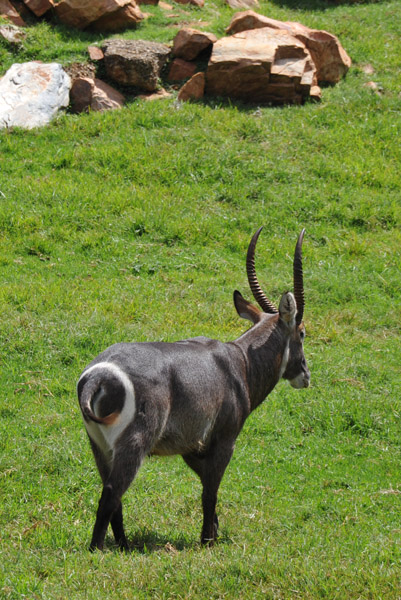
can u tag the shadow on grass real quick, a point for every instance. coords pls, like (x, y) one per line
(148, 542)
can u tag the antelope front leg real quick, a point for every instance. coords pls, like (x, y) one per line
(210, 520)
(117, 526)
(214, 467)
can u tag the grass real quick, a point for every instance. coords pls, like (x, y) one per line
(133, 225)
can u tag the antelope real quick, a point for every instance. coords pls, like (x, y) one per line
(189, 397)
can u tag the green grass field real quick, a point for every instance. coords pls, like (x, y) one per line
(133, 225)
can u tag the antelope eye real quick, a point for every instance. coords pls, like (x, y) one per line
(302, 334)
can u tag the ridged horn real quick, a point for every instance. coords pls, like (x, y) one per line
(298, 278)
(256, 290)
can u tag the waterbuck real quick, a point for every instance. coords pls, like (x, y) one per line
(189, 397)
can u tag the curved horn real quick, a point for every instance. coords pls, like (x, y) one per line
(256, 290)
(298, 278)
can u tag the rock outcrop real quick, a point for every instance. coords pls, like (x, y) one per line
(261, 61)
(262, 66)
(331, 60)
(32, 93)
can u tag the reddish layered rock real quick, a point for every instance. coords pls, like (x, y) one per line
(7, 11)
(331, 60)
(105, 97)
(39, 7)
(93, 94)
(180, 70)
(193, 89)
(81, 94)
(126, 17)
(189, 43)
(95, 53)
(81, 13)
(261, 66)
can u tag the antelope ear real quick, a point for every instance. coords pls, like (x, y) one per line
(245, 309)
(288, 308)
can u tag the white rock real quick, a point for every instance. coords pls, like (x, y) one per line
(32, 93)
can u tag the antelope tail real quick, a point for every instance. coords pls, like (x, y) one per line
(86, 394)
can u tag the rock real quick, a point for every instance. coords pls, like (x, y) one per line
(87, 93)
(95, 53)
(81, 94)
(315, 93)
(193, 89)
(242, 3)
(249, 19)
(372, 85)
(199, 3)
(81, 13)
(126, 17)
(135, 62)
(12, 33)
(189, 43)
(180, 70)
(260, 66)
(105, 97)
(331, 60)
(159, 95)
(39, 7)
(32, 93)
(7, 11)
(368, 69)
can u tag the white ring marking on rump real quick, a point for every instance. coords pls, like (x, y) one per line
(103, 435)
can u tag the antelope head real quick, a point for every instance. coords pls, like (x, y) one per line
(288, 317)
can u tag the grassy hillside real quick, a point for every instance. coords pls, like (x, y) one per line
(134, 225)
